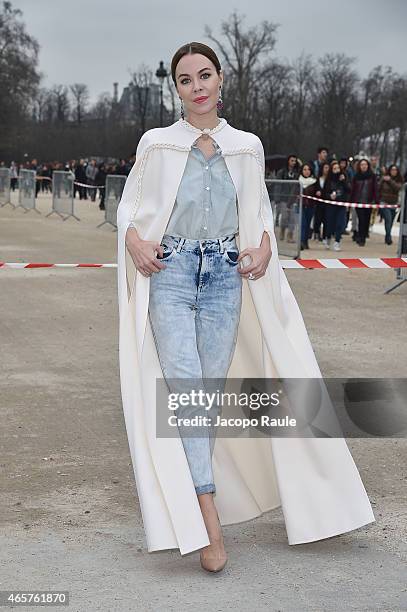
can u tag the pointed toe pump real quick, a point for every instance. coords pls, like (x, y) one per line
(212, 561)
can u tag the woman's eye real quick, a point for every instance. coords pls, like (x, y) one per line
(208, 74)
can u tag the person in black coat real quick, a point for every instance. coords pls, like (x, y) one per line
(337, 189)
(365, 191)
(100, 181)
(320, 207)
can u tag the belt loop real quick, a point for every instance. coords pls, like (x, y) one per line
(180, 243)
(221, 245)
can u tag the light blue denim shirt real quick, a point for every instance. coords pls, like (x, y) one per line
(206, 202)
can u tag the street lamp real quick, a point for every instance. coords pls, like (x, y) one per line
(161, 73)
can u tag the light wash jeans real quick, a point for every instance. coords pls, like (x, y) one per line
(194, 311)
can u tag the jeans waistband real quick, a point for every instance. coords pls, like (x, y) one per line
(190, 244)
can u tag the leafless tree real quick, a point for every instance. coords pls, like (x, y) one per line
(80, 94)
(141, 89)
(61, 102)
(242, 50)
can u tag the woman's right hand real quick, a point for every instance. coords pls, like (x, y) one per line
(143, 253)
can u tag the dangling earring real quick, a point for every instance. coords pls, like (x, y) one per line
(219, 104)
(182, 109)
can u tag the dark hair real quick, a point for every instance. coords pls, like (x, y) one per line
(331, 173)
(191, 48)
(398, 177)
(360, 161)
(320, 173)
(307, 165)
(320, 149)
(344, 159)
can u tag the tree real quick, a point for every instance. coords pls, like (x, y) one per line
(80, 94)
(242, 52)
(336, 100)
(61, 102)
(141, 94)
(19, 77)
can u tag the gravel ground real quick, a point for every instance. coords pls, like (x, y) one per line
(70, 518)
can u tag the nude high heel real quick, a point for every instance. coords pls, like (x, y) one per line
(212, 560)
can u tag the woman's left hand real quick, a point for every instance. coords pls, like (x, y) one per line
(260, 257)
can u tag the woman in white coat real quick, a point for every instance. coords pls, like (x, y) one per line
(194, 205)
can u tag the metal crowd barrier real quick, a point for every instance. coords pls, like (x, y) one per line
(5, 180)
(62, 194)
(26, 190)
(286, 202)
(113, 192)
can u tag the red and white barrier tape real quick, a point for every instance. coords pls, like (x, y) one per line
(383, 263)
(89, 186)
(351, 204)
(47, 178)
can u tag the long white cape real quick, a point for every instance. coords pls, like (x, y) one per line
(315, 480)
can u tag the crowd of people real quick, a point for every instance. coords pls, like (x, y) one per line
(90, 176)
(356, 180)
(345, 180)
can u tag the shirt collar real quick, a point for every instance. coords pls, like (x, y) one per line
(198, 152)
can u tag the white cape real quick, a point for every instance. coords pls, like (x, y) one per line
(314, 480)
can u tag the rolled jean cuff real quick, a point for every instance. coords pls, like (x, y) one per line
(209, 488)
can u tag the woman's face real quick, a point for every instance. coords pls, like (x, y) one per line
(393, 171)
(336, 168)
(306, 171)
(325, 169)
(363, 166)
(196, 78)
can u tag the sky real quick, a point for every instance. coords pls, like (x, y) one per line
(99, 42)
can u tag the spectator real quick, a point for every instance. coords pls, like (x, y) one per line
(100, 181)
(80, 177)
(123, 168)
(337, 188)
(389, 189)
(378, 171)
(319, 214)
(347, 169)
(290, 172)
(322, 158)
(13, 175)
(375, 167)
(308, 183)
(364, 191)
(91, 172)
(45, 173)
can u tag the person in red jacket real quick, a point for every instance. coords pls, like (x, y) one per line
(364, 190)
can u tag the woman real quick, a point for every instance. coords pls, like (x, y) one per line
(288, 197)
(364, 191)
(100, 181)
(320, 207)
(308, 182)
(337, 189)
(389, 189)
(187, 308)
